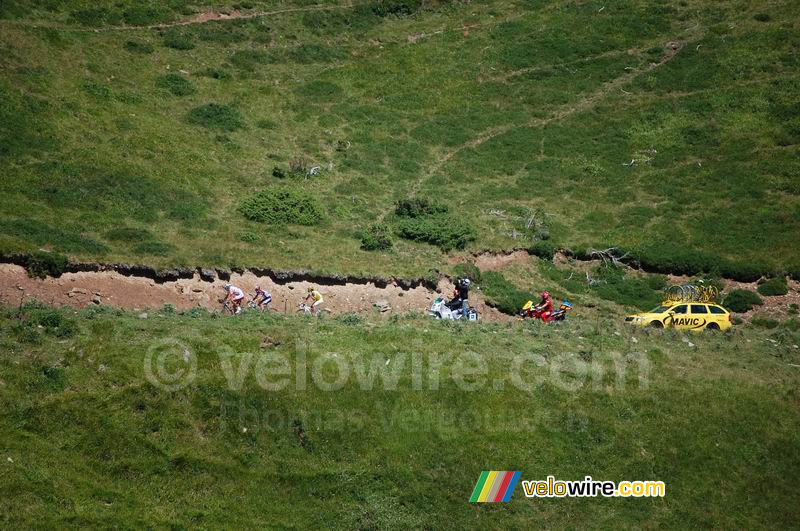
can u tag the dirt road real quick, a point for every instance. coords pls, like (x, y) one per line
(138, 293)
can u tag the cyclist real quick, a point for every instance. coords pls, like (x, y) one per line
(262, 298)
(545, 307)
(235, 295)
(316, 296)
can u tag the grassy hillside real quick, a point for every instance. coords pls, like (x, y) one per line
(87, 440)
(137, 144)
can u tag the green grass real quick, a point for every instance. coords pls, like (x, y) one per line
(512, 115)
(88, 441)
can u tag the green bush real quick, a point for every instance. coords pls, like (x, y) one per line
(764, 322)
(279, 206)
(446, 231)
(544, 249)
(502, 294)
(469, 271)
(41, 264)
(637, 291)
(153, 248)
(349, 319)
(216, 116)
(417, 208)
(95, 16)
(320, 91)
(741, 300)
(51, 319)
(178, 41)
(677, 259)
(176, 84)
(248, 237)
(128, 234)
(399, 8)
(248, 60)
(377, 237)
(773, 287)
(139, 47)
(143, 15)
(68, 240)
(216, 73)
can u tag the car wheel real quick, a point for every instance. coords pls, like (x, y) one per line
(656, 324)
(712, 326)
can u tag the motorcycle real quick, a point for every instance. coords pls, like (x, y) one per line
(439, 310)
(534, 311)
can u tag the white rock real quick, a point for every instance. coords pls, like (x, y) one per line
(143, 315)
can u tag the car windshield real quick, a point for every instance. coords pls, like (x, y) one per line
(659, 309)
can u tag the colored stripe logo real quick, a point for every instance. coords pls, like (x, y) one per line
(493, 486)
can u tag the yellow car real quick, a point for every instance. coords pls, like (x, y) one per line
(685, 316)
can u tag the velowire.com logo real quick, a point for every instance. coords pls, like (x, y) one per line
(494, 486)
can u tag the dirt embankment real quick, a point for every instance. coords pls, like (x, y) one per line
(111, 288)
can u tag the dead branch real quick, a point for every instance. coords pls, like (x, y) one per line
(610, 255)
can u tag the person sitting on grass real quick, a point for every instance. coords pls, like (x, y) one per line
(235, 296)
(315, 296)
(262, 298)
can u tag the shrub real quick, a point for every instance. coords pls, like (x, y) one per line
(446, 231)
(42, 264)
(98, 90)
(153, 248)
(741, 300)
(764, 322)
(320, 91)
(673, 258)
(145, 15)
(502, 294)
(216, 116)
(278, 172)
(762, 17)
(248, 60)
(95, 16)
(377, 237)
(298, 166)
(543, 249)
(128, 234)
(639, 292)
(278, 206)
(742, 272)
(415, 208)
(349, 319)
(248, 237)
(176, 84)
(399, 8)
(139, 47)
(216, 73)
(773, 287)
(178, 41)
(469, 271)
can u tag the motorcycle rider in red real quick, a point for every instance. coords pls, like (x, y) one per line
(545, 307)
